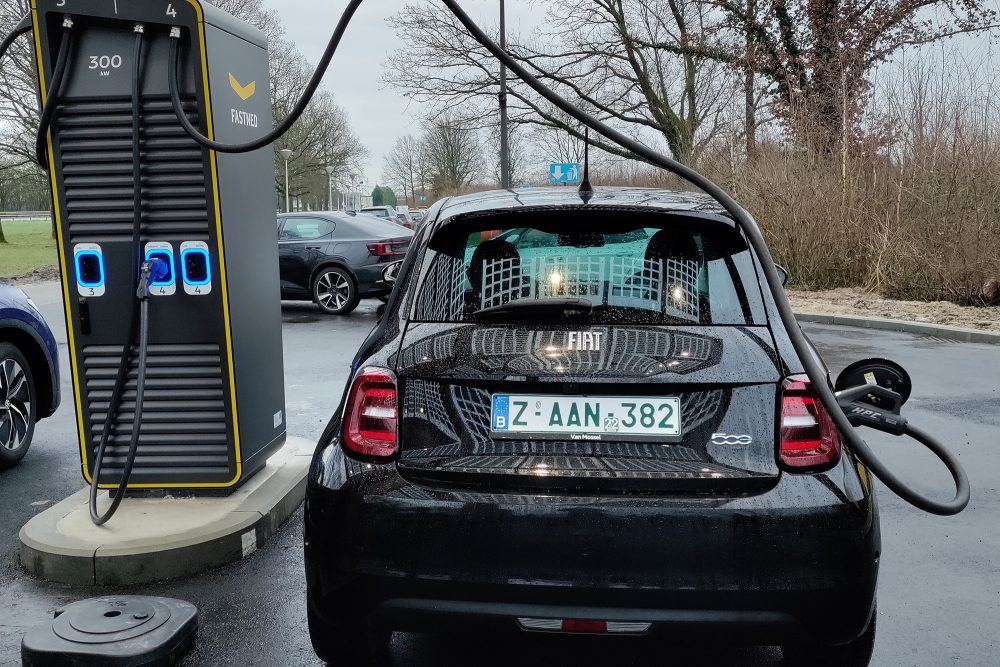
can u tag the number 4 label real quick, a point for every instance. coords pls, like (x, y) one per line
(171, 11)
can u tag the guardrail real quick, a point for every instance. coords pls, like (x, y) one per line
(25, 215)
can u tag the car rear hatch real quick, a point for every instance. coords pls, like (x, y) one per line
(666, 379)
(513, 407)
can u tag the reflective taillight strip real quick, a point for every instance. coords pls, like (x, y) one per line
(560, 625)
(805, 421)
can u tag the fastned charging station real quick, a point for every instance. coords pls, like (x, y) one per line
(212, 409)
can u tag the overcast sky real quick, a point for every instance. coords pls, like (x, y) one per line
(377, 114)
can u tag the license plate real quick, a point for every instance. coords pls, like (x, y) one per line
(586, 417)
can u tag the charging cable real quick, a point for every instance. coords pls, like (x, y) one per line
(151, 271)
(815, 371)
(148, 271)
(23, 26)
(293, 115)
(52, 97)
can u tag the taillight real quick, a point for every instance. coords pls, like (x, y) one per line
(809, 438)
(385, 250)
(370, 417)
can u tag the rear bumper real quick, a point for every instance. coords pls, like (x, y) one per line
(796, 563)
(371, 282)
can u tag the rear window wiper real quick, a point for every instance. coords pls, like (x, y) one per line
(539, 308)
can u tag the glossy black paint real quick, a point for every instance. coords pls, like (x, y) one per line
(746, 553)
(448, 372)
(344, 244)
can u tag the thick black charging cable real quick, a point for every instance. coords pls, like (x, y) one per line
(23, 26)
(817, 374)
(145, 272)
(52, 97)
(293, 115)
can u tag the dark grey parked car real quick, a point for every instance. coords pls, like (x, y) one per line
(336, 259)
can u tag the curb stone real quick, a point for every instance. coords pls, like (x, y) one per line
(958, 334)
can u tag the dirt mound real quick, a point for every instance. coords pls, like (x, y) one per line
(37, 276)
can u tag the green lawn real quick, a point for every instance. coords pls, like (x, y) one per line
(29, 246)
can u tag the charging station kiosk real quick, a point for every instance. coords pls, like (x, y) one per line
(213, 409)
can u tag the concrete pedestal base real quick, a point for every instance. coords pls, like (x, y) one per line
(151, 539)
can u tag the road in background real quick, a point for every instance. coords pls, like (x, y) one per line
(939, 592)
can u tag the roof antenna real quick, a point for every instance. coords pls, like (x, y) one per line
(586, 189)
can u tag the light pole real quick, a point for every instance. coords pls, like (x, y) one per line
(504, 146)
(329, 178)
(286, 155)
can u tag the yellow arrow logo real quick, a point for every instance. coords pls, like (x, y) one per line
(245, 92)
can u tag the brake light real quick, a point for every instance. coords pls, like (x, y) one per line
(384, 250)
(809, 438)
(370, 417)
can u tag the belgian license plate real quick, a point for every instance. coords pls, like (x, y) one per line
(586, 417)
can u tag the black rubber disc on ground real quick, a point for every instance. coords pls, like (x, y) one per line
(127, 631)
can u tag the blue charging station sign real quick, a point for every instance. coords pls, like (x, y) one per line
(564, 172)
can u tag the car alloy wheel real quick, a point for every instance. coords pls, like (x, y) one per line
(335, 292)
(17, 405)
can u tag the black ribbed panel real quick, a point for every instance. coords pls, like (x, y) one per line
(95, 146)
(184, 419)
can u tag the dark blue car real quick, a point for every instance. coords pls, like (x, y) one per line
(29, 373)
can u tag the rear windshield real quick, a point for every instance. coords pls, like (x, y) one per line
(641, 276)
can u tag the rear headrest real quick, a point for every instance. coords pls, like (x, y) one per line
(490, 251)
(667, 244)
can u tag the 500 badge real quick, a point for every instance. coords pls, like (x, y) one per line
(724, 439)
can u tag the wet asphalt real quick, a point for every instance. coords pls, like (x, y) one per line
(939, 591)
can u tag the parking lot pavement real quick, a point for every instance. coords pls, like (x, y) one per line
(939, 593)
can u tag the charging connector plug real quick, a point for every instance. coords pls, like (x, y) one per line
(151, 271)
(859, 404)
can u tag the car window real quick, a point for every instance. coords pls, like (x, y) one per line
(306, 229)
(643, 276)
(380, 212)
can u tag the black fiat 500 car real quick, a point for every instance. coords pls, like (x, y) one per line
(585, 417)
(337, 259)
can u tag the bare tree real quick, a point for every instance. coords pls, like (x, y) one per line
(18, 91)
(453, 152)
(817, 55)
(322, 137)
(423, 174)
(602, 52)
(403, 168)
(518, 153)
